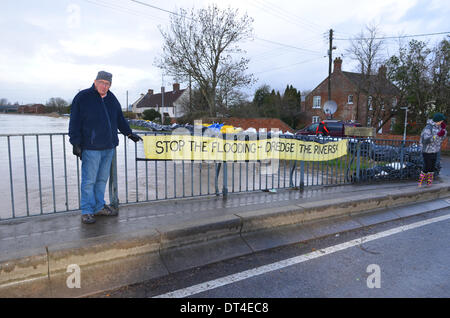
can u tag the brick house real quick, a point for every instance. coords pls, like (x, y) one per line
(173, 102)
(31, 109)
(367, 99)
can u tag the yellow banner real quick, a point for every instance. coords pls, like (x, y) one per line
(187, 147)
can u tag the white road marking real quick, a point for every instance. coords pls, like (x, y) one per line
(196, 289)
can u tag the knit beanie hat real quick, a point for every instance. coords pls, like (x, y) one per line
(438, 117)
(102, 75)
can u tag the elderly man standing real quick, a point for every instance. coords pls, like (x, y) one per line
(95, 116)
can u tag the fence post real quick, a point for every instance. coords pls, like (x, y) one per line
(402, 154)
(218, 166)
(302, 175)
(358, 160)
(225, 180)
(113, 192)
(291, 175)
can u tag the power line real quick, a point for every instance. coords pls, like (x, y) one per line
(121, 9)
(290, 65)
(276, 13)
(272, 54)
(312, 26)
(155, 7)
(394, 37)
(161, 9)
(345, 33)
(286, 45)
(257, 38)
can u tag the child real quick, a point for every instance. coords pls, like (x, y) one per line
(431, 140)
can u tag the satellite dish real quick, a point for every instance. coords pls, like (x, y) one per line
(330, 108)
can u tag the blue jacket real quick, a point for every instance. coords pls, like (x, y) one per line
(94, 120)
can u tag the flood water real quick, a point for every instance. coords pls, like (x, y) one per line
(37, 163)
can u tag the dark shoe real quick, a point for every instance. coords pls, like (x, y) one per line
(87, 219)
(107, 211)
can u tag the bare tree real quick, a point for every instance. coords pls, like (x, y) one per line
(4, 102)
(381, 103)
(57, 104)
(366, 48)
(203, 45)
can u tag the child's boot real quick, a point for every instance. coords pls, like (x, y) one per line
(421, 178)
(430, 179)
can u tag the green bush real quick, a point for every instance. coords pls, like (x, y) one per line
(151, 114)
(167, 120)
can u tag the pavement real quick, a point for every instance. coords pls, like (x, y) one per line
(155, 239)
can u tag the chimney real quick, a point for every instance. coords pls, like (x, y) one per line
(337, 65)
(176, 87)
(150, 91)
(382, 71)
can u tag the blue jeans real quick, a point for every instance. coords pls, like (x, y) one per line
(95, 170)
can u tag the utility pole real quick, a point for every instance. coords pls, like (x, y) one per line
(162, 105)
(162, 99)
(330, 60)
(406, 121)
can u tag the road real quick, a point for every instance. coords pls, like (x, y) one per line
(403, 258)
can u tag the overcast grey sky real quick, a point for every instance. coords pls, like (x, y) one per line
(53, 48)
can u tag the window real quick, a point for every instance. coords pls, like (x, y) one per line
(350, 99)
(394, 102)
(369, 102)
(317, 102)
(380, 128)
(315, 119)
(369, 122)
(392, 123)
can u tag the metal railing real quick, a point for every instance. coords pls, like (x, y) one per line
(43, 177)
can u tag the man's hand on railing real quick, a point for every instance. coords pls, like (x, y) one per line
(77, 151)
(134, 137)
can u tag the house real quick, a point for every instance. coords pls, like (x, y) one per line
(173, 102)
(31, 109)
(8, 108)
(368, 99)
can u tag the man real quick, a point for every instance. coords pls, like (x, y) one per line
(95, 116)
(322, 129)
